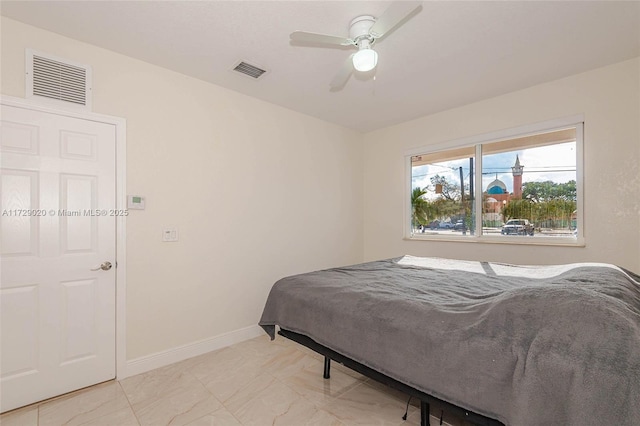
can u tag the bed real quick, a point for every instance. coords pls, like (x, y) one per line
(517, 345)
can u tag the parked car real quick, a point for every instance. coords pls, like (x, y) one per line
(459, 226)
(517, 227)
(446, 225)
(435, 224)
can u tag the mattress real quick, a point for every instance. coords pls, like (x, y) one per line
(526, 345)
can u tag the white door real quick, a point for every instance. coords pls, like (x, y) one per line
(58, 226)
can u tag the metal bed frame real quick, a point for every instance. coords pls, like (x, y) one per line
(425, 399)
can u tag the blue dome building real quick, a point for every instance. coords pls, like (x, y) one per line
(496, 187)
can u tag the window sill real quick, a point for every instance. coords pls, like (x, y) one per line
(508, 240)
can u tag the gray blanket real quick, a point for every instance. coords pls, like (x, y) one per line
(543, 345)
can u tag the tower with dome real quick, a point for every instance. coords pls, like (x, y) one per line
(497, 195)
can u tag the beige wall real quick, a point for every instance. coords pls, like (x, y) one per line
(258, 192)
(608, 97)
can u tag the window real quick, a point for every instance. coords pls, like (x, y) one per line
(441, 196)
(521, 186)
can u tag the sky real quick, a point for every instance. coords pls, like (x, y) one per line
(556, 163)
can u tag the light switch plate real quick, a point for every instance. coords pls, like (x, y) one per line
(170, 234)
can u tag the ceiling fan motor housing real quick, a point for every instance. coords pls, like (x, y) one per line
(359, 28)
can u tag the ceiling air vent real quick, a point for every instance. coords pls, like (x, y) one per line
(250, 70)
(58, 80)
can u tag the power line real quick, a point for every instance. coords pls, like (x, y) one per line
(535, 171)
(494, 172)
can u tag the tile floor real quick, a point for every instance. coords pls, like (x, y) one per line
(257, 382)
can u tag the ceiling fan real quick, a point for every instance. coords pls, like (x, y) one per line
(363, 33)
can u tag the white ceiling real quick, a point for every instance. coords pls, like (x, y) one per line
(448, 54)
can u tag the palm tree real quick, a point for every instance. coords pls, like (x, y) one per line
(420, 208)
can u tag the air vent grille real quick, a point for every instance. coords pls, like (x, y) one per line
(250, 70)
(57, 79)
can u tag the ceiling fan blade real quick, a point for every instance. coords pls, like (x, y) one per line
(392, 17)
(307, 37)
(343, 75)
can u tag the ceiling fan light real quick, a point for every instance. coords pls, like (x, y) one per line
(365, 60)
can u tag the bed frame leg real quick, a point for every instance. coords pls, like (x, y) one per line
(424, 413)
(327, 367)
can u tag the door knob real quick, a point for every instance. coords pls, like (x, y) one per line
(105, 267)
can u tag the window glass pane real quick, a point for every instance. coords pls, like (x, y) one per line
(529, 186)
(442, 193)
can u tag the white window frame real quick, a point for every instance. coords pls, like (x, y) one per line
(576, 121)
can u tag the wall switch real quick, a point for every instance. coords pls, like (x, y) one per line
(170, 234)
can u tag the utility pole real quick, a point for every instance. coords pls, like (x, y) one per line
(471, 194)
(464, 216)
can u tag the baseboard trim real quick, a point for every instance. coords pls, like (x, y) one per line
(160, 359)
